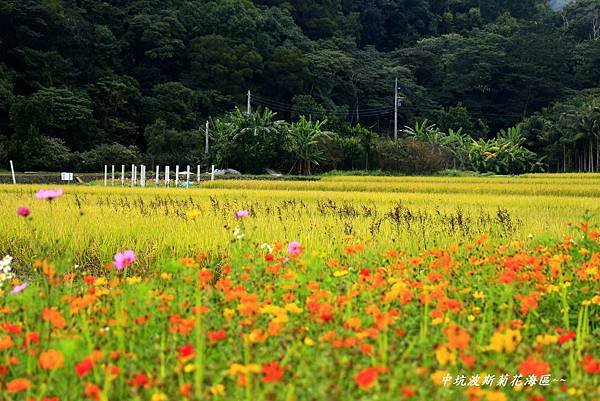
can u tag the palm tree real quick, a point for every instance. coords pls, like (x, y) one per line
(304, 141)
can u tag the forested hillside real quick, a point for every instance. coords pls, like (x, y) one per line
(86, 82)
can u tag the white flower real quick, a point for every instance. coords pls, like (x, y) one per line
(266, 246)
(237, 233)
(5, 269)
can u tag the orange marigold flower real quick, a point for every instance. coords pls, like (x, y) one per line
(458, 338)
(51, 359)
(6, 342)
(272, 372)
(18, 385)
(53, 316)
(92, 391)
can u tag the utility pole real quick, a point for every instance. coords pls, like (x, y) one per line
(206, 139)
(249, 108)
(396, 109)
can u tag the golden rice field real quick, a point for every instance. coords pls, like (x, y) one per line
(346, 288)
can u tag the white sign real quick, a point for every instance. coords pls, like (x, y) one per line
(66, 176)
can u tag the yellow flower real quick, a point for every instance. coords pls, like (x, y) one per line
(217, 389)
(309, 341)
(444, 356)
(495, 396)
(189, 368)
(340, 273)
(478, 295)
(228, 313)
(133, 280)
(100, 281)
(166, 276)
(437, 376)
(506, 341)
(546, 339)
(293, 309)
(159, 397)
(192, 214)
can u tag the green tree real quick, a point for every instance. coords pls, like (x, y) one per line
(305, 141)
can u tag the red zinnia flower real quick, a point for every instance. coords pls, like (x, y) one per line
(272, 372)
(216, 336)
(367, 378)
(532, 366)
(83, 367)
(186, 352)
(566, 337)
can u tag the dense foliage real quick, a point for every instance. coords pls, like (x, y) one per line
(138, 79)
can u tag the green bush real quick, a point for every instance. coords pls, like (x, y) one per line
(106, 154)
(408, 156)
(45, 153)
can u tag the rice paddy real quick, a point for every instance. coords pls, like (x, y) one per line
(347, 288)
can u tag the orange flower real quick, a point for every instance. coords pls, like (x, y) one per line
(532, 366)
(53, 316)
(591, 365)
(6, 342)
(92, 391)
(458, 338)
(272, 372)
(51, 359)
(18, 385)
(367, 377)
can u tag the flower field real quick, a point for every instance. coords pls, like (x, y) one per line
(349, 288)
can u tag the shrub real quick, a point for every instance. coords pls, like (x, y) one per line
(45, 153)
(96, 158)
(408, 156)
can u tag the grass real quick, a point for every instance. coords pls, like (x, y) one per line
(398, 282)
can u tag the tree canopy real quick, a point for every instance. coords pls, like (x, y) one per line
(86, 76)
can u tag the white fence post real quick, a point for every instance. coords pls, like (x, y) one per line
(132, 175)
(212, 173)
(12, 171)
(167, 176)
(142, 175)
(112, 175)
(198, 175)
(187, 184)
(177, 176)
(105, 174)
(157, 176)
(122, 175)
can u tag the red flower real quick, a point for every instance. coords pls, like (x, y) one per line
(365, 272)
(83, 367)
(269, 257)
(532, 366)
(566, 337)
(186, 352)
(367, 378)
(590, 365)
(140, 380)
(92, 391)
(216, 336)
(272, 372)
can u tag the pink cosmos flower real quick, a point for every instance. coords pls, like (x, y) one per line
(19, 288)
(294, 248)
(241, 213)
(49, 194)
(23, 211)
(124, 259)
